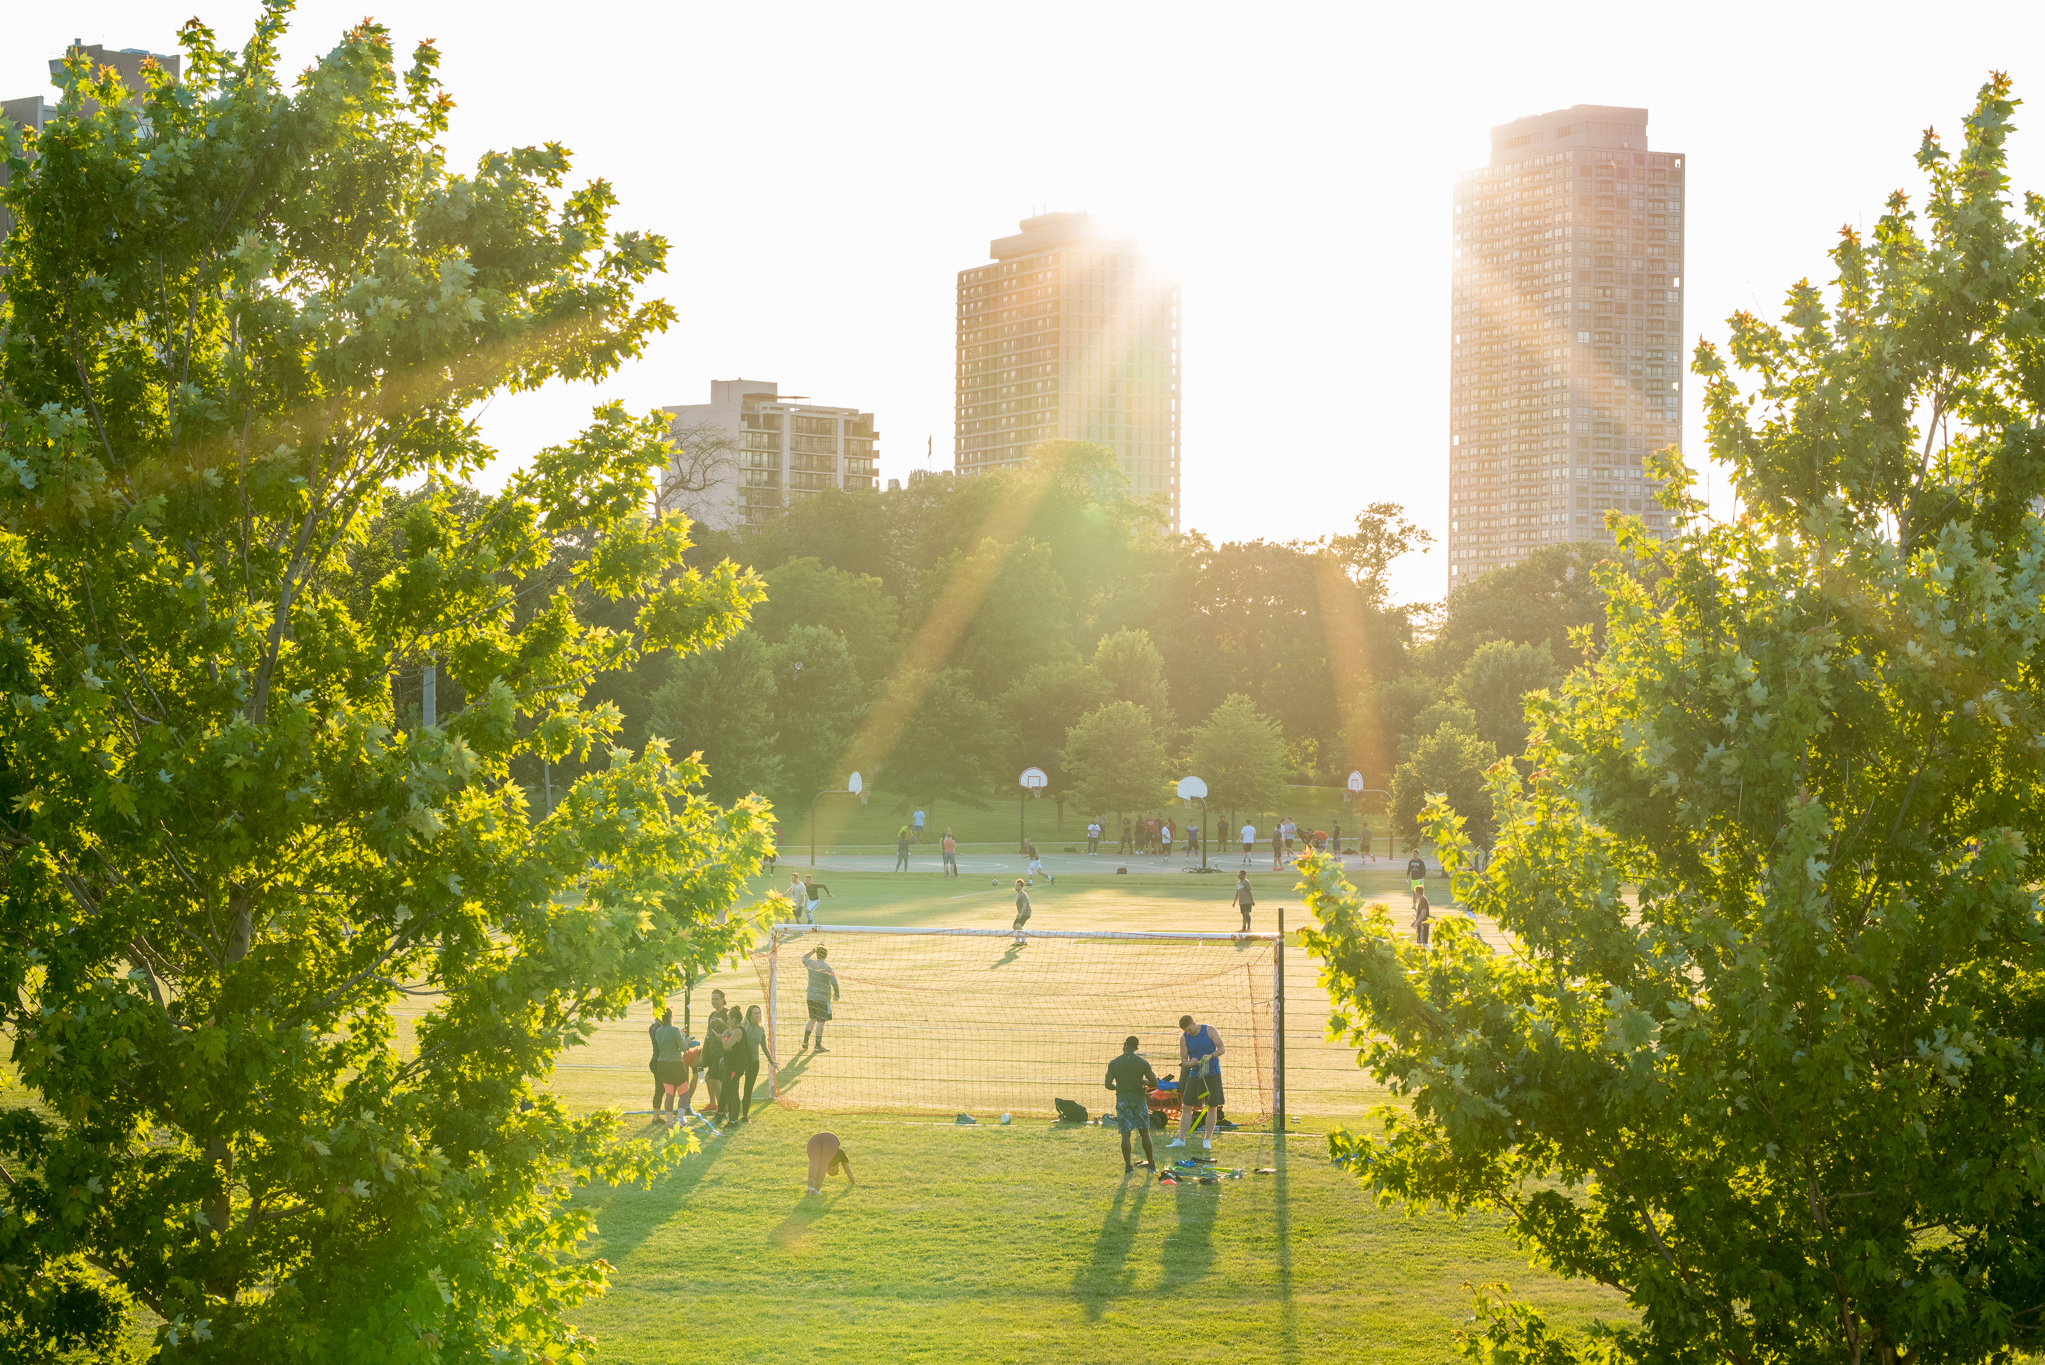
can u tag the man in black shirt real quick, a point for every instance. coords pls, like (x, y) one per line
(1132, 1080)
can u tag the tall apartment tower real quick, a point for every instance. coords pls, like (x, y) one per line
(1566, 334)
(749, 452)
(1070, 334)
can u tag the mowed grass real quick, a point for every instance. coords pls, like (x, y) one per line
(1027, 1243)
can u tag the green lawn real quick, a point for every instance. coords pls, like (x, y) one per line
(843, 822)
(1027, 1243)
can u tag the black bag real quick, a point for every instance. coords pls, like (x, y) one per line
(1070, 1112)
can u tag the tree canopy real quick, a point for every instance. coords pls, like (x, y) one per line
(238, 319)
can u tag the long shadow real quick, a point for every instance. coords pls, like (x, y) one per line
(1108, 1274)
(1189, 1252)
(627, 1215)
(790, 1072)
(1014, 951)
(1288, 1313)
(796, 1225)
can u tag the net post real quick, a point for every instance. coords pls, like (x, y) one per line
(773, 965)
(1278, 1031)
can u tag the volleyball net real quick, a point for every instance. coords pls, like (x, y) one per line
(975, 1021)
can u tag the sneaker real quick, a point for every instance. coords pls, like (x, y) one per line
(1176, 1142)
(1208, 1143)
(821, 1048)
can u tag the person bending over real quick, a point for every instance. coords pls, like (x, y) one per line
(827, 1157)
(1132, 1080)
(823, 989)
(1200, 1050)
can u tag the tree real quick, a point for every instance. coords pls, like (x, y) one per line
(1048, 701)
(720, 705)
(1115, 758)
(806, 592)
(1451, 711)
(1006, 606)
(1495, 684)
(951, 743)
(1768, 1056)
(1240, 753)
(818, 702)
(1449, 762)
(1129, 664)
(238, 318)
(1383, 535)
(702, 456)
(1543, 598)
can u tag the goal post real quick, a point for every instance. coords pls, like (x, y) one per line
(989, 1021)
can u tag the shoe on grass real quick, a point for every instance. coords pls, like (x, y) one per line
(821, 1048)
(1176, 1142)
(1208, 1143)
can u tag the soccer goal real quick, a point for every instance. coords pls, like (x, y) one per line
(951, 1020)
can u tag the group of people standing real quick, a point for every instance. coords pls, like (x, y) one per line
(1131, 1078)
(1153, 834)
(726, 1062)
(1287, 838)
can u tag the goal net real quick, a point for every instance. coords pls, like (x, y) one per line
(970, 1020)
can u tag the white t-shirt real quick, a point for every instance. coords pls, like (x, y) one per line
(1249, 834)
(1093, 831)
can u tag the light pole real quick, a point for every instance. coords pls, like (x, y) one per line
(853, 786)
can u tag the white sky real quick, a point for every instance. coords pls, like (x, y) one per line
(824, 170)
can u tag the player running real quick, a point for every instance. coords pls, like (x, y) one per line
(1200, 1049)
(823, 989)
(813, 893)
(1036, 864)
(1132, 1080)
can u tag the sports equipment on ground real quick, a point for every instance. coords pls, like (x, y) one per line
(980, 1020)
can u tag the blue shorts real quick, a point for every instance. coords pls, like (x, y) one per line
(1132, 1112)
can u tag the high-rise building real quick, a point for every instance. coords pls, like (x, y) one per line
(1566, 326)
(33, 111)
(741, 458)
(1070, 334)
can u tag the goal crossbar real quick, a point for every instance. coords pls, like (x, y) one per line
(790, 930)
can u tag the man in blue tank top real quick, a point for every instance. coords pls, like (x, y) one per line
(1200, 1049)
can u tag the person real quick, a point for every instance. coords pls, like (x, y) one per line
(1249, 839)
(1318, 841)
(1244, 900)
(710, 1065)
(774, 849)
(902, 849)
(1363, 843)
(813, 893)
(1290, 830)
(917, 821)
(1036, 865)
(823, 989)
(670, 1066)
(1149, 833)
(1165, 833)
(756, 1034)
(1335, 839)
(1278, 846)
(1420, 918)
(950, 847)
(1022, 909)
(739, 1060)
(1093, 839)
(1123, 847)
(1416, 874)
(1200, 1050)
(1192, 841)
(1132, 1080)
(797, 894)
(827, 1157)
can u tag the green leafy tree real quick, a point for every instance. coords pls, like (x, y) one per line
(1239, 752)
(1495, 684)
(1134, 672)
(1115, 760)
(1049, 701)
(237, 319)
(952, 746)
(720, 706)
(1450, 711)
(1383, 535)
(1768, 1054)
(1543, 598)
(1450, 762)
(807, 592)
(1014, 610)
(818, 702)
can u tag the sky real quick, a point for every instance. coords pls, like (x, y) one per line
(824, 171)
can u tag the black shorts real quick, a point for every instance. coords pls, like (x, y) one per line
(671, 1072)
(820, 1011)
(1195, 1091)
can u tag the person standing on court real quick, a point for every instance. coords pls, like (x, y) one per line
(823, 989)
(1132, 1080)
(1249, 839)
(950, 848)
(1244, 900)
(1165, 834)
(1421, 916)
(813, 893)
(1200, 1049)
(1335, 839)
(1278, 846)
(902, 849)
(1123, 847)
(1363, 852)
(1416, 875)
(1093, 839)
(916, 824)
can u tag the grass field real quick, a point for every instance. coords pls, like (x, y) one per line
(1027, 1243)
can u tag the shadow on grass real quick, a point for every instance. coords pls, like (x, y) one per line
(1108, 1275)
(797, 1224)
(626, 1215)
(1014, 951)
(1189, 1252)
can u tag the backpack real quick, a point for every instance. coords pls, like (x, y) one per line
(1070, 1111)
